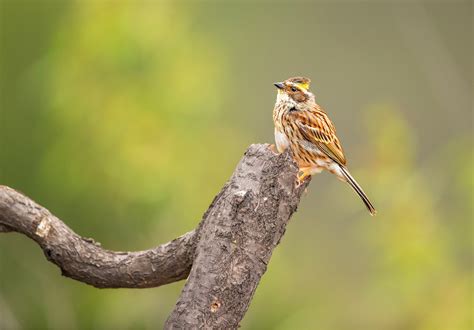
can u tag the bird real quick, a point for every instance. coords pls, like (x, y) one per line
(304, 127)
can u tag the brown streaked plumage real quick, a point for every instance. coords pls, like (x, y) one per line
(304, 127)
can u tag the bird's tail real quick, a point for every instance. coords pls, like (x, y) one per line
(358, 190)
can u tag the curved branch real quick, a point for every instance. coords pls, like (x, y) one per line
(225, 257)
(84, 260)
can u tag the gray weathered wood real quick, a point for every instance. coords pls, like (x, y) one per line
(225, 256)
(236, 238)
(85, 260)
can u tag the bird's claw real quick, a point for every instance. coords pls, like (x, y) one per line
(302, 176)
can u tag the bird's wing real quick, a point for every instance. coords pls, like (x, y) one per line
(317, 129)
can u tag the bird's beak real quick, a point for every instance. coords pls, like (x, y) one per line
(279, 85)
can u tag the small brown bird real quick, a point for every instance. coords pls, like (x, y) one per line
(303, 126)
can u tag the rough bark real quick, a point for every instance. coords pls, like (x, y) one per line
(85, 260)
(237, 236)
(225, 256)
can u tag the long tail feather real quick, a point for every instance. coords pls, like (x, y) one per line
(353, 183)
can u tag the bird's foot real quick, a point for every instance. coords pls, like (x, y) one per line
(303, 175)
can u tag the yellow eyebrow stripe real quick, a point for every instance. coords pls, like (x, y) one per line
(303, 85)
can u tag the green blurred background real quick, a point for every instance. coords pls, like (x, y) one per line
(126, 118)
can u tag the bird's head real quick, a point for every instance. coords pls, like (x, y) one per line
(294, 92)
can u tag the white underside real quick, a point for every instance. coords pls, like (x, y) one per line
(281, 141)
(282, 144)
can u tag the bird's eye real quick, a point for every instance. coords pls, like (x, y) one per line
(294, 89)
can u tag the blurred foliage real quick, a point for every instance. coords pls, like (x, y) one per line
(125, 118)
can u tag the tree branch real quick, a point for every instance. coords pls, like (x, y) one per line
(225, 256)
(237, 236)
(84, 260)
